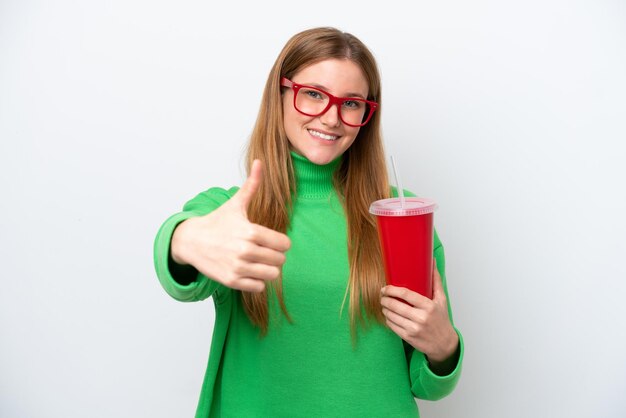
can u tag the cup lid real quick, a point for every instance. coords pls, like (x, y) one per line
(412, 206)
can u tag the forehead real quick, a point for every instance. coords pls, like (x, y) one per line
(339, 76)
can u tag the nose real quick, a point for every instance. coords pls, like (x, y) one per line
(331, 116)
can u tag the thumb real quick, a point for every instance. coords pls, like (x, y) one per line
(251, 185)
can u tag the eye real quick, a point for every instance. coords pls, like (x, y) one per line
(312, 94)
(352, 104)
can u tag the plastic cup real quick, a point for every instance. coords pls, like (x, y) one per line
(406, 239)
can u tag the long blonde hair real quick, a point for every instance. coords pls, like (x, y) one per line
(360, 179)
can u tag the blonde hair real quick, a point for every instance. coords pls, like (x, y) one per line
(360, 179)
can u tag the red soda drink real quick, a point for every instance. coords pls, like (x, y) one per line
(406, 232)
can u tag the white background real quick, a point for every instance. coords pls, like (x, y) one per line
(113, 114)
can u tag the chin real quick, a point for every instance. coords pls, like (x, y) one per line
(320, 158)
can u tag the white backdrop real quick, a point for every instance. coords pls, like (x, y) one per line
(112, 114)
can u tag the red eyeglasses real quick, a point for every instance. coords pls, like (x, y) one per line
(311, 101)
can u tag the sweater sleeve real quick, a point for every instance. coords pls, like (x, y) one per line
(425, 384)
(185, 283)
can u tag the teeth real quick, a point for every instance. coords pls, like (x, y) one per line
(323, 136)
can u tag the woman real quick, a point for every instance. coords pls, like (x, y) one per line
(285, 254)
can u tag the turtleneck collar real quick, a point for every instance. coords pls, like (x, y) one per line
(312, 180)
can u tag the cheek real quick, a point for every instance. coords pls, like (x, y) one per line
(293, 121)
(352, 133)
(289, 113)
(290, 122)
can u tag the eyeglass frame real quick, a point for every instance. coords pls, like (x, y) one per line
(285, 82)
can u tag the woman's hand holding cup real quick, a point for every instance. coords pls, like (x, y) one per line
(423, 323)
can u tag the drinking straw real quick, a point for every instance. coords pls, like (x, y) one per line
(398, 182)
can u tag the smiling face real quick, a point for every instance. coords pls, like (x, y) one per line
(323, 138)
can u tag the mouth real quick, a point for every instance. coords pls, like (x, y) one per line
(322, 135)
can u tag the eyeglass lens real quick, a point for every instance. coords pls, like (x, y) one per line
(313, 102)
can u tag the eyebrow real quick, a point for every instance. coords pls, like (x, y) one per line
(348, 95)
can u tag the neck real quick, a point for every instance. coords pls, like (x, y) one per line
(312, 180)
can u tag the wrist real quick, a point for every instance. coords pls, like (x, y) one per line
(446, 366)
(177, 244)
(447, 349)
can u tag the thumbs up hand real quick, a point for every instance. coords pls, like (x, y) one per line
(225, 246)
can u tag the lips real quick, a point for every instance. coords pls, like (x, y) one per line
(323, 136)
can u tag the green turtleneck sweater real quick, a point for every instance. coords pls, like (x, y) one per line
(309, 367)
